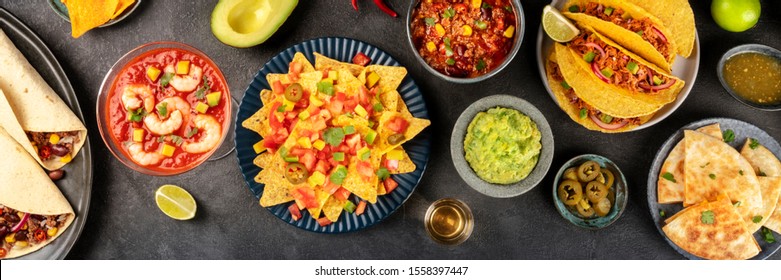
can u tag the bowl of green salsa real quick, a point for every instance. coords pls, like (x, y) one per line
(502, 146)
(751, 73)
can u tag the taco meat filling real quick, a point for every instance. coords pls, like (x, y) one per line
(643, 27)
(20, 230)
(585, 109)
(615, 67)
(58, 144)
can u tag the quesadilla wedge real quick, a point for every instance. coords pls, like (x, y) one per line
(670, 185)
(771, 188)
(764, 162)
(34, 212)
(581, 112)
(678, 17)
(712, 168)
(712, 230)
(609, 77)
(34, 114)
(628, 25)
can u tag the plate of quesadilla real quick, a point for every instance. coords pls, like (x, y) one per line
(713, 190)
(38, 88)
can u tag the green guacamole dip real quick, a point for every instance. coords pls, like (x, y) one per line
(502, 145)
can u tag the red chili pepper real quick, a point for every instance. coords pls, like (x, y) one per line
(355, 4)
(3, 252)
(40, 235)
(384, 7)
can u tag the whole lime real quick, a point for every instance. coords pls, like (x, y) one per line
(736, 15)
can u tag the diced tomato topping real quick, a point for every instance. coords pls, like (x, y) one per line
(322, 166)
(365, 97)
(308, 160)
(398, 125)
(336, 104)
(391, 164)
(331, 188)
(297, 151)
(294, 212)
(390, 185)
(353, 141)
(272, 117)
(325, 73)
(360, 208)
(307, 196)
(361, 59)
(344, 149)
(296, 67)
(324, 221)
(350, 104)
(342, 194)
(305, 133)
(365, 169)
(278, 88)
(291, 115)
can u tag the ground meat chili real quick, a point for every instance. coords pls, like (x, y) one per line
(643, 27)
(464, 38)
(36, 229)
(584, 109)
(53, 144)
(618, 68)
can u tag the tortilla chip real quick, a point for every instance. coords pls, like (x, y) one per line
(272, 78)
(356, 184)
(725, 238)
(390, 76)
(306, 65)
(390, 100)
(405, 165)
(333, 208)
(321, 198)
(416, 125)
(672, 191)
(277, 189)
(266, 96)
(678, 17)
(771, 188)
(346, 83)
(712, 168)
(258, 122)
(263, 160)
(88, 14)
(761, 159)
(326, 63)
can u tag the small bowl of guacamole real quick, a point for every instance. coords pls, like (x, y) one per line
(502, 146)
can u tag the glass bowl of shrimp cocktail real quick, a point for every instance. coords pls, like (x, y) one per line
(164, 108)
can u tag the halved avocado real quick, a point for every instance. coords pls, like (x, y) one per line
(247, 23)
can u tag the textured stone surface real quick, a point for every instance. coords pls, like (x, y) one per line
(124, 222)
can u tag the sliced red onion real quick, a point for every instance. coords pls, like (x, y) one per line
(598, 72)
(21, 223)
(659, 33)
(612, 126)
(600, 49)
(645, 86)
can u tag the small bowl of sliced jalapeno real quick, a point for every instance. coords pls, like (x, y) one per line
(590, 191)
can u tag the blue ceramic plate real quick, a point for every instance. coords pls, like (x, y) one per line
(742, 131)
(341, 49)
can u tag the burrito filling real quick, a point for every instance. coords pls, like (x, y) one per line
(54, 145)
(20, 230)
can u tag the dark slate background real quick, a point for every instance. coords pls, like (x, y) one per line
(124, 222)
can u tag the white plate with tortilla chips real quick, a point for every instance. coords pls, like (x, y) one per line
(275, 153)
(720, 222)
(685, 68)
(47, 78)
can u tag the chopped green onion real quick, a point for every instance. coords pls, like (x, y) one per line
(589, 56)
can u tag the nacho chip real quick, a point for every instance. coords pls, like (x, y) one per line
(258, 122)
(390, 76)
(356, 184)
(306, 65)
(333, 208)
(326, 63)
(88, 14)
(416, 125)
(263, 160)
(405, 164)
(321, 198)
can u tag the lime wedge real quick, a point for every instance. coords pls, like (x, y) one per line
(175, 202)
(558, 27)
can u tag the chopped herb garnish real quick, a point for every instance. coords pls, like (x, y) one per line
(565, 85)
(201, 92)
(449, 13)
(669, 177)
(737, 203)
(166, 78)
(377, 107)
(756, 219)
(281, 108)
(481, 24)
(768, 235)
(448, 48)
(333, 136)
(337, 177)
(754, 144)
(740, 172)
(177, 139)
(639, 33)
(192, 132)
(583, 113)
(761, 173)
(480, 65)
(704, 165)
(326, 86)
(712, 176)
(161, 139)
(450, 61)
(162, 109)
(431, 21)
(486, 6)
(137, 115)
(508, 8)
(574, 9)
(708, 217)
(661, 213)
(728, 135)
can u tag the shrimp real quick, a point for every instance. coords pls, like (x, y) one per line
(134, 95)
(185, 83)
(178, 113)
(136, 151)
(212, 130)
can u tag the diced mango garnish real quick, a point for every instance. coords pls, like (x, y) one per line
(305, 142)
(372, 79)
(201, 107)
(214, 98)
(477, 3)
(54, 138)
(138, 135)
(153, 73)
(315, 101)
(66, 159)
(316, 179)
(259, 147)
(467, 30)
(319, 144)
(183, 67)
(364, 152)
(440, 30)
(167, 150)
(333, 75)
(10, 238)
(509, 32)
(431, 47)
(289, 105)
(361, 111)
(304, 115)
(395, 155)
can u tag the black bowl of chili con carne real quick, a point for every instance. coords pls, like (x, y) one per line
(467, 41)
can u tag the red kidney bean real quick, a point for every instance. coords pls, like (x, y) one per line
(56, 174)
(60, 150)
